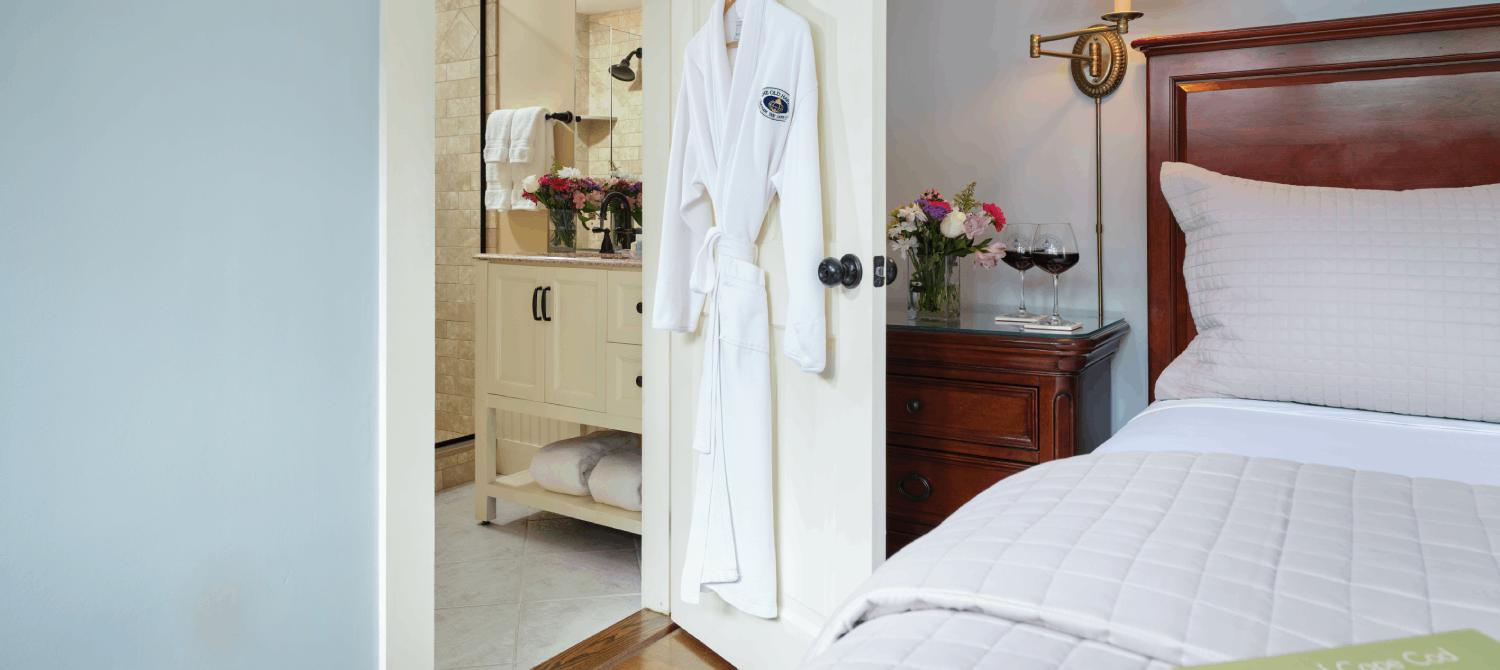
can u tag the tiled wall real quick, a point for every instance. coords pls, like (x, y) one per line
(458, 202)
(603, 40)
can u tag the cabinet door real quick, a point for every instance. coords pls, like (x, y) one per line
(625, 306)
(624, 377)
(575, 338)
(516, 344)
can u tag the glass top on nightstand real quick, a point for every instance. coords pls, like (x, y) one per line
(983, 321)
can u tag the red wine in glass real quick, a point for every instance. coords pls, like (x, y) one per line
(1054, 250)
(1054, 263)
(1016, 238)
(1020, 260)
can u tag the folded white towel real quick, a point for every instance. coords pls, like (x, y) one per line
(497, 136)
(526, 129)
(531, 149)
(565, 465)
(616, 479)
(499, 184)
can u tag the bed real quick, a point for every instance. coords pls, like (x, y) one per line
(1225, 523)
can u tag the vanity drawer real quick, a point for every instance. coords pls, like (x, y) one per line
(963, 411)
(924, 487)
(625, 307)
(623, 375)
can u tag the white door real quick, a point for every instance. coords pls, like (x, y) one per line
(573, 311)
(829, 438)
(510, 307)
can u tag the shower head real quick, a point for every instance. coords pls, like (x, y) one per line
(622, 69)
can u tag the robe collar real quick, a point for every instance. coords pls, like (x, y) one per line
(732, 95)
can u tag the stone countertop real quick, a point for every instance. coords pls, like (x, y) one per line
(592, 258)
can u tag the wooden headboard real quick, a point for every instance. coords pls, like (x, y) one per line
(1397, 101)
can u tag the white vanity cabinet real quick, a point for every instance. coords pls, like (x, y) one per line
(557, 337)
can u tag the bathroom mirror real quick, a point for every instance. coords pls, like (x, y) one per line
(608, 80)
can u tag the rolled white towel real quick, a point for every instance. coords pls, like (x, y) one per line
(616, 479)
(565, 465)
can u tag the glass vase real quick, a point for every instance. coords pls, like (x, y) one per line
(562, 231)
(932, 288)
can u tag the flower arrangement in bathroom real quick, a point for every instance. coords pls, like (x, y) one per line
(565, 193)
(932, 234)
(629, 184)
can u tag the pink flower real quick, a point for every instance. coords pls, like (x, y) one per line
(987, 257)
(978, 222)
(578, 198)
(996, 215)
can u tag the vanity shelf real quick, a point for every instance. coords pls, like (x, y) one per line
(521, 489)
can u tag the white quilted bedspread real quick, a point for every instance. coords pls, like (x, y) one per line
(1145, 561)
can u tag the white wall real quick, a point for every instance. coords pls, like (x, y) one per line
(188, 305)
(965, 103)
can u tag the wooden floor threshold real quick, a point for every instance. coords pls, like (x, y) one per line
(625, 639)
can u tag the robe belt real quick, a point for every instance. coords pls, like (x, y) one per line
(705, 280)
(705, 270)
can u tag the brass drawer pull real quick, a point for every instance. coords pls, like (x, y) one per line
(926, 487)
(913, 406)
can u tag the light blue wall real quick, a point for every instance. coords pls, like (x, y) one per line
(966, 103)
(188, 244)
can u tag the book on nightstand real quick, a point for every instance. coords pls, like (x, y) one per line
(1459, 650)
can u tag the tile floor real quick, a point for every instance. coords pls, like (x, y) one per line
(529, 585)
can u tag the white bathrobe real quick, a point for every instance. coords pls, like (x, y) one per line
(742, 134)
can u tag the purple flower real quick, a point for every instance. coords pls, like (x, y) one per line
(935, 209)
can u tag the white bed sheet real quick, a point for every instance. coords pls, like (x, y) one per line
(1463, 451)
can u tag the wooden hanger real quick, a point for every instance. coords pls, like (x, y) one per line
(727, 5)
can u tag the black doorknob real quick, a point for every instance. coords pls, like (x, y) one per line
(637, 381)
(890, 270)
(638, 308)
(910, 477)
(914, 405)
(847, 271)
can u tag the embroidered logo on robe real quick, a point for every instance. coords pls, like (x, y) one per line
(774, 104)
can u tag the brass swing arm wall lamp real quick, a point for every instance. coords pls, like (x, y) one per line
(1098, 68)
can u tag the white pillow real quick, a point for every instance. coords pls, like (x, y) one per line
(1377, 300)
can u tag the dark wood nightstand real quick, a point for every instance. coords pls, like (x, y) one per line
(971, 403)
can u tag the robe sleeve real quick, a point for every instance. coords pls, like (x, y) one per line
(799, 183)
(686, 217)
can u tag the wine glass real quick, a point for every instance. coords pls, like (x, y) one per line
(1016, 237)
(1054, 250)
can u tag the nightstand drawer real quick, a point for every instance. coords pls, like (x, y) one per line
(926, 486)
(966, 411)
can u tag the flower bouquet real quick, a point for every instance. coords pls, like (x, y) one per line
(565, 193)
(932, 234)
(629, 184)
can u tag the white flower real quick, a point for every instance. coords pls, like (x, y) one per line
(913, 215)
(624, 176)
(531, 184)
(905, 246)
(570, 173)
(953, 224)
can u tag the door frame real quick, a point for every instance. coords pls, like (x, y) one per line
(405, 274)
(656, 346)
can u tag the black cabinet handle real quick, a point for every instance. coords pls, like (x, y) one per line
(534, 293)
(637, 381)
(914, 405)
(545, 291)
(912, 476)
(638, 308)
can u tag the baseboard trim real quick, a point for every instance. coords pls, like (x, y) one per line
(453, 441)
(612, 645)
